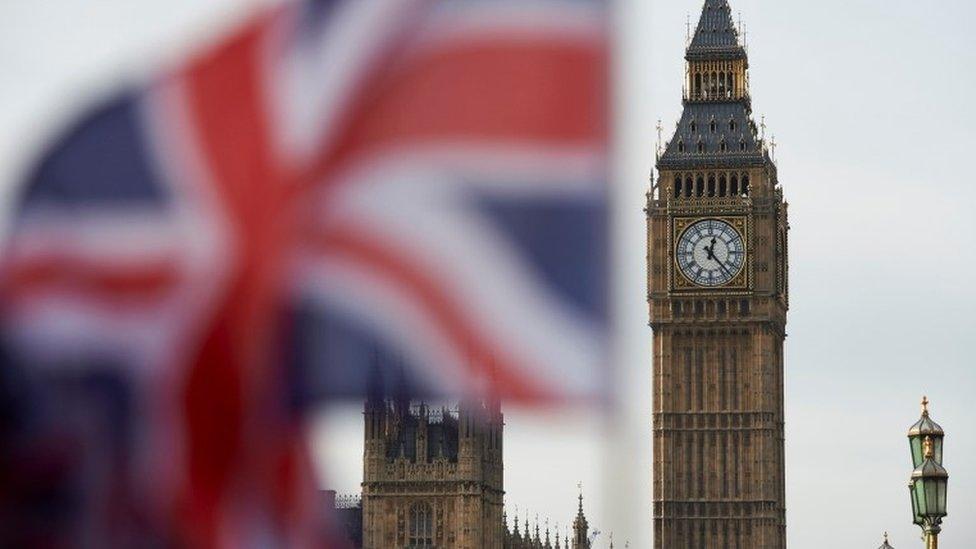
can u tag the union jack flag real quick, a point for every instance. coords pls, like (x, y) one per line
(409, 190)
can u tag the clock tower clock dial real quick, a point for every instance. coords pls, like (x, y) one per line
(710, 253)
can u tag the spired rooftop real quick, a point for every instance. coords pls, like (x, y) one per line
(716, 36)
(716, 125)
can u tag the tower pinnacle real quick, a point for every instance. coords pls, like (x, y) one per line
(716, 35)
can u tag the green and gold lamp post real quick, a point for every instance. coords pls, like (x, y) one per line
(929, 480)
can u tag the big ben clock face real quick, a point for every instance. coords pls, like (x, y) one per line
(710, 253)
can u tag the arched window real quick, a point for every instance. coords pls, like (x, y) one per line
(721, 84)
(677, 186)
(734, 184)
(421, 527)
(745, 185)
(731, 124)
(742, 145)
(723, 186)
(711, 126)
(701, 147)
(721, 146)
(711, 186)
(693, 126)
(689, 186)
(698, 84)
(681, 146)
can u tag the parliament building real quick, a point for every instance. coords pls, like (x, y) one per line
(434, 478)
(718, 297)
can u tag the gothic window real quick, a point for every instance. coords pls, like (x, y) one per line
(681, 146)
(698, 85)
(700, 186)
(745, 185)
(711, 126)
(701, 147)
(723, 186)
(694, 127)
(734, 191)
(677, 186)
(711, 186)
(689, 184)
(742, 146)
(721, 146)
(421, 527)
(731, 124)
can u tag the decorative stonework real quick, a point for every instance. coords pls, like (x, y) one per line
(718, 470)
(433, 478)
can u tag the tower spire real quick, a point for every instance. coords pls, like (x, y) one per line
(716, 33)
(581, 528)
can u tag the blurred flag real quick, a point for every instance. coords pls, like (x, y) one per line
(416, 180)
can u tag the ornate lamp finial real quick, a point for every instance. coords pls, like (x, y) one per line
(925, 405)
(886, 537)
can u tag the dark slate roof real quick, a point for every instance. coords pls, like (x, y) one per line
(716, 36)
(733, 126)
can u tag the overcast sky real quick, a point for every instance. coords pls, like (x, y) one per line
(870, 104)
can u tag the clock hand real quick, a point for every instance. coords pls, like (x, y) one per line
(710, 250)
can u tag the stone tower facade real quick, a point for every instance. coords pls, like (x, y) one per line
(432, 478)
(718, 298)
(581, 528)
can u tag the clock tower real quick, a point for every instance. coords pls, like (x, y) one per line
(718, 296)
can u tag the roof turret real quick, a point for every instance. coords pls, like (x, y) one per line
(716, 36)
(716, 127)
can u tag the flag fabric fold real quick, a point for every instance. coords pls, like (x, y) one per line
(416, 184)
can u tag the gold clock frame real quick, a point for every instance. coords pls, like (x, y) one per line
(679, 282)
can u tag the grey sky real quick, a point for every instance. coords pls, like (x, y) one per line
(869, 102)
